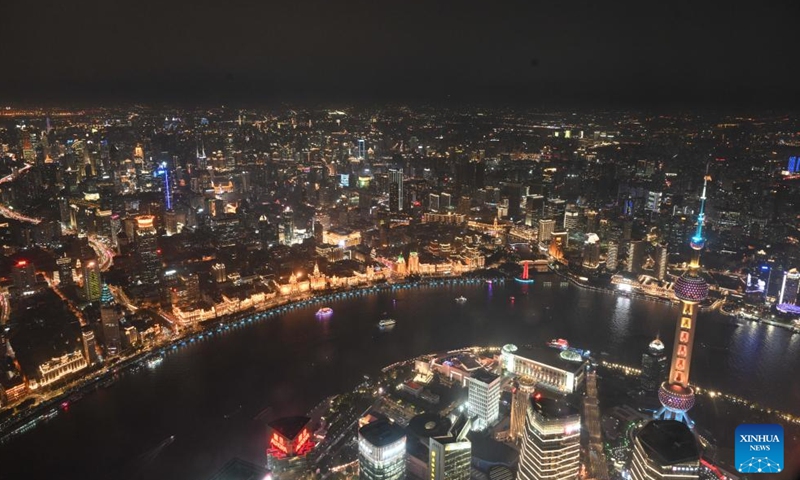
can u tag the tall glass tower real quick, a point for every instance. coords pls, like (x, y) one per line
(675, 394)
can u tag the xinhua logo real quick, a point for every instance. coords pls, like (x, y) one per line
(759, 448)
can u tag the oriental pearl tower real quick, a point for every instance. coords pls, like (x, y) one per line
(675, 394)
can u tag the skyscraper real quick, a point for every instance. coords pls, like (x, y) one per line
(450, 456)
(611, 256)
(24, 276)
(396, 198)
(635, 257)
(147, 253)
(64, 270)
(89, 346)
(664, 449)
(92, 283)
(520, 398)
(381, 451)
(676, 395)
(789, 287)
(287, 221)
(110, 316)
(660, 267)
(654, 366)
(552, 440)
(546, 228)
(483, 398)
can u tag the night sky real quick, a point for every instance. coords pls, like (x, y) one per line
(593, 52)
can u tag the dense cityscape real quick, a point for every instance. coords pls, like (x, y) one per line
(131, 232)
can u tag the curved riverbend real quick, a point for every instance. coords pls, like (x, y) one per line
(287, 364)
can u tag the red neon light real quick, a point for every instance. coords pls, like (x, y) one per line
(22, 263)
(537, 396)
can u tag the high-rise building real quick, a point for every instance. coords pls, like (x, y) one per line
(546, 228)
(218, 271)
(520, 398)
(287, 222)
(65, 270)
(591, 251)
(362, 149)
(450, 456)
(552, 440)
(611, 256)
(675, 394)
(92, 282)
(789, 287)
(654, 366)
(571, 217)
(147, 254)
(171, 222)
(665, 449)
(635, 257)
(483, 398)
(89, 346)
(660, 267)
(396, 198)
(290, 441)
(24, 276)
(433, 202)
(445, 201)
(463, 205)
(381, 451)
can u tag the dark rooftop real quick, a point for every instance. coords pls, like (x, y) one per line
(381, 433)
(484, 376)
(669, 442)
(428, 425)
(289, 427)
(552, 407)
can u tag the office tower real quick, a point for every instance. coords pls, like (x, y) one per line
(635, 257)
(483, 398)
(381, 451)
(676, 396)
(287, 222)
(290, 442)
(24, 275)
(660, 267)
(450, 456)
(789, 287)
(552, 440)
(171, 222)
(202, 162)
(433, 202)
(611, 256)
(92, 283)
(592, 221)
(665, 449)
(396, 198)
(591, 251)
(218, 271)
(64, 270)
(520, 398)
(571, 217)
(546, 227)
(362, 149)
(110, 315)
(514, 201)
(445, 201)
(627, 229)
(89, 346)
(654, 366)
(147, 254)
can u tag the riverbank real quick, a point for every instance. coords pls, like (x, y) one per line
(20, 422)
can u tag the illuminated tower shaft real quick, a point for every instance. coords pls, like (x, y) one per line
(676, 395)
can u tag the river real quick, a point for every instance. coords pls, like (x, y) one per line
(287, 364)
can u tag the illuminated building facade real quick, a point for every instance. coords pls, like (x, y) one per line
(665, 449)
(549, 368)
(789, 287)
(287, 221)
(654, 366)
(396, 190)
(92, 282)
(64, 265)
(552, 440)
(675, 394)
(24, 276)
(520, 398)
(483, 398)
(450, 456)
(290, 441)
(381, 451)
(147, 251)
(59, 367)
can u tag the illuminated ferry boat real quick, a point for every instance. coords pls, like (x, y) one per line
(387, 322)
(154, 362)
(325, 312)
(558, 343)
(461, 299)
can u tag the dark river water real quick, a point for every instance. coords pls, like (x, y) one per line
(287, 364)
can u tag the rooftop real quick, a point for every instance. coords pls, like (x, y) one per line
(552, 408)
(669, 442)
(381, 433)
(289, 427)
(551, 357)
